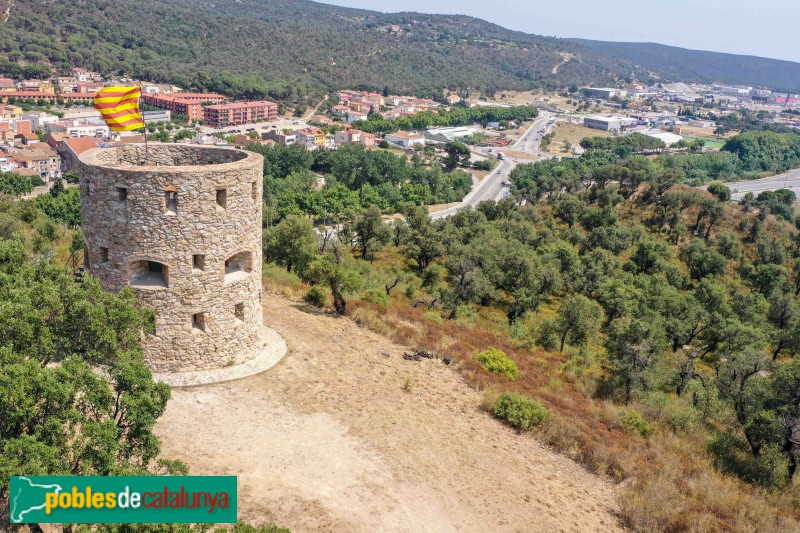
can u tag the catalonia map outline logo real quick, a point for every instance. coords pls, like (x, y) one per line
(122, 499)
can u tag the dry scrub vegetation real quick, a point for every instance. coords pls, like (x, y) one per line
(668, 481)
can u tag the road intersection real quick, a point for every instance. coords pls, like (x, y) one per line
(493, 186)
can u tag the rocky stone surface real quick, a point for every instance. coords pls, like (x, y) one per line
(181, 226)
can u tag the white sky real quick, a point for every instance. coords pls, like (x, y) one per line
(768, 28)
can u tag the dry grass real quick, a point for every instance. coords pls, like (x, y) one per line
(669, 483)
(571, 133)
(441, 207)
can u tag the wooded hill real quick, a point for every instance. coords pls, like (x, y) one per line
(296, 50)
(676, 63)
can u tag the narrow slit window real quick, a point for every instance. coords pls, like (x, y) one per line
(222, 198)
(103, 254)
(238, 311)
(122, 194)
(171, 199)
(199, 262)
(199, 322)
(255, 191)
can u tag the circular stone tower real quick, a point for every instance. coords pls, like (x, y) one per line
(181, 225)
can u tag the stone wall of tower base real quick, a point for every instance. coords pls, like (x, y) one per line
(226, 340)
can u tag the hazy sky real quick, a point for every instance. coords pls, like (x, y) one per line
(769, 28)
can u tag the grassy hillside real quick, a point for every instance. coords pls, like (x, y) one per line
(295, 50)
(671, 62)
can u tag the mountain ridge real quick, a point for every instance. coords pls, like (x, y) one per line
(297, 51)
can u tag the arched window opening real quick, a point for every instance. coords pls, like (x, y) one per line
(148, 274)
(238, 266)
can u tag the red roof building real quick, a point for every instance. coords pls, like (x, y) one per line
(187, 104)
(221, 115)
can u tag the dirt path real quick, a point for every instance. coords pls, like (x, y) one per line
(340, 437)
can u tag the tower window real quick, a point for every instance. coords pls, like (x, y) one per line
(255, 191)
(238, 311)
(103, 254)
(222, 199)
(122, 194)
(171, 201)
(238, 266)
(199, 322)
(148, 274)
(199, 262)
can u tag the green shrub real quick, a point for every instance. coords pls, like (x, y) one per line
(376, 296)
(497, 361)
(771, 467)
(434, 317)
(681, 418)
(316, 297)
(519, 411)
(547, 337)
(411, 291)
(633, 421)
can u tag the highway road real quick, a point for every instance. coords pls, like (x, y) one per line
(492, 186)
(789, 180)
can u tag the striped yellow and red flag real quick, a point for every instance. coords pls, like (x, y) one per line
(119, 107)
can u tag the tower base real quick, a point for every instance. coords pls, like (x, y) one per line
(271, 353)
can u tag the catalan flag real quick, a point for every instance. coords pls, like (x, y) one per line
(119, 107)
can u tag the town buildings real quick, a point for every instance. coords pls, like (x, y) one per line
(285, 138)
(312, 138)
(79, 128)
(7, 85)
(353, 136)
(36, 160)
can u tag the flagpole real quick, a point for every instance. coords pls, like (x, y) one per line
(146, 149)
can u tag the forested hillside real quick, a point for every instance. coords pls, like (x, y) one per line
(296, 50)
(676, 63)
(647, 329)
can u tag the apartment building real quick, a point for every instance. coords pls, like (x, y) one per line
(221, 115)
(187, 104)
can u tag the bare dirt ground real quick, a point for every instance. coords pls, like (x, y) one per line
(342, 437)
(694, 131)
(519, 154)
(441, 207)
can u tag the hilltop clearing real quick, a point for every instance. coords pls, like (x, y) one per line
(340, 437)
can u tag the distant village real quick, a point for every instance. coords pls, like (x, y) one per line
(46, 124)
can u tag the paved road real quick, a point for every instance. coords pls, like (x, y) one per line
(492, 188)
(789, 180)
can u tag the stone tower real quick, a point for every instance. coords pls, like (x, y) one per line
(183, 229)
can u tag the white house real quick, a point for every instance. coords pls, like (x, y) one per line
(39, 119)
(405, 139)
(353, 116)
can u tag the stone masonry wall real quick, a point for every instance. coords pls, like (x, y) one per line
(186, 212)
